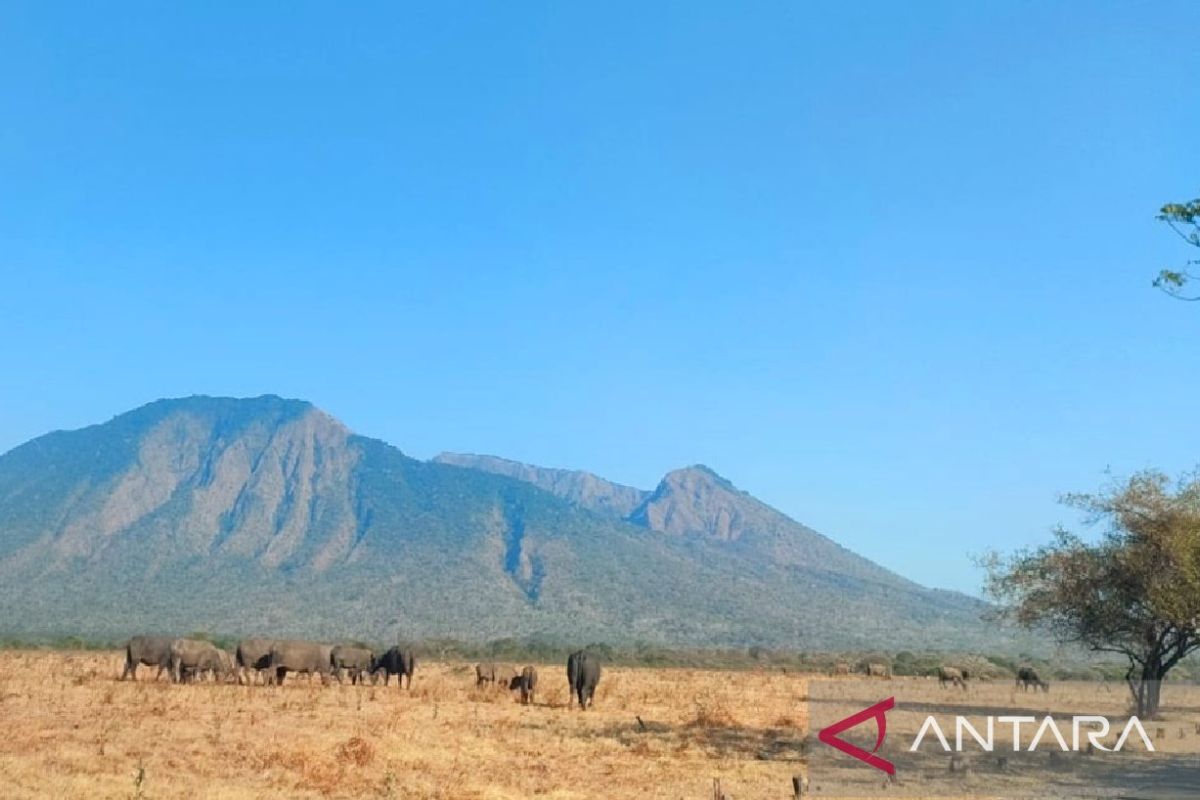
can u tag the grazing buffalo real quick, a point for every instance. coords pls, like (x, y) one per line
(358, 662)
(526, 682)
(494, 674)
(226, 666)
(587, 676)
(572, 673)
(485, 673)
(878, 671)
(398, 661)
(153, 651)
(841, 668)
(191, 658)
(953, 676)
(1027, 677)
(296, 656)
(505, 675)
(253, 658)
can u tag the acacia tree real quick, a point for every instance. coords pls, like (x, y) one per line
(1184, 219)
(1135, 591)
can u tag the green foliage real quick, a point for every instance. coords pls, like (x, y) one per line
(1184, 220)
(1135, 592)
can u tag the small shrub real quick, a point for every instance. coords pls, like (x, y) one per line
(712, 712)
(357, 751)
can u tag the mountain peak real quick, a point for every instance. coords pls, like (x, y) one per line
(698, 473)
(235, 411)
(696, 501)
(264, 403)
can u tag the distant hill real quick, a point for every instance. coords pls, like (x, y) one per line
(266, 515)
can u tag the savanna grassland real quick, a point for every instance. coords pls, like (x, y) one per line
(72, 730)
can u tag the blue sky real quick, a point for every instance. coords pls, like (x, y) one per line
(885, 266)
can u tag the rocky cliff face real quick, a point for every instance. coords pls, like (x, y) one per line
(695, 501)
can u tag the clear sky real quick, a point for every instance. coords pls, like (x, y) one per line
(884, 266)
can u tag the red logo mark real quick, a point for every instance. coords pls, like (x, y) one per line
(877, 712)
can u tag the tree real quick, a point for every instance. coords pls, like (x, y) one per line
(1184, 219)
(1135, 591)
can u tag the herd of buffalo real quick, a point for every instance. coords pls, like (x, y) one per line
(271, 660)
(1027, 677)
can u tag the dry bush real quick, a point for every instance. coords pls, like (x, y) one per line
(712, 711)
(357, 751)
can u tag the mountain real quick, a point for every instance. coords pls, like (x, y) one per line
(693, 503)
(268, 516)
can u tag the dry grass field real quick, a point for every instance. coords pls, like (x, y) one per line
(71, 730)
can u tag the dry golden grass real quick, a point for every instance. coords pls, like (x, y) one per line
(72, 730)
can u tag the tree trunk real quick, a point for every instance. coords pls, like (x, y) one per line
(1146, 687)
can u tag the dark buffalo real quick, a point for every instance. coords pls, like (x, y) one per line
(296, 656)
(398, 661)
(587, 676)
(526, 682)
(153, 651)
(953, 676)
(1027, 677)
(253, 656)
(878, 671)
(572, 673)
(358, 662)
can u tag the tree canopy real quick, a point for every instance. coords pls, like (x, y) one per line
(1184, 219)
(1135, 591)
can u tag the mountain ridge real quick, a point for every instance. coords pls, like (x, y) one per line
(579, 486)
(267, 515)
